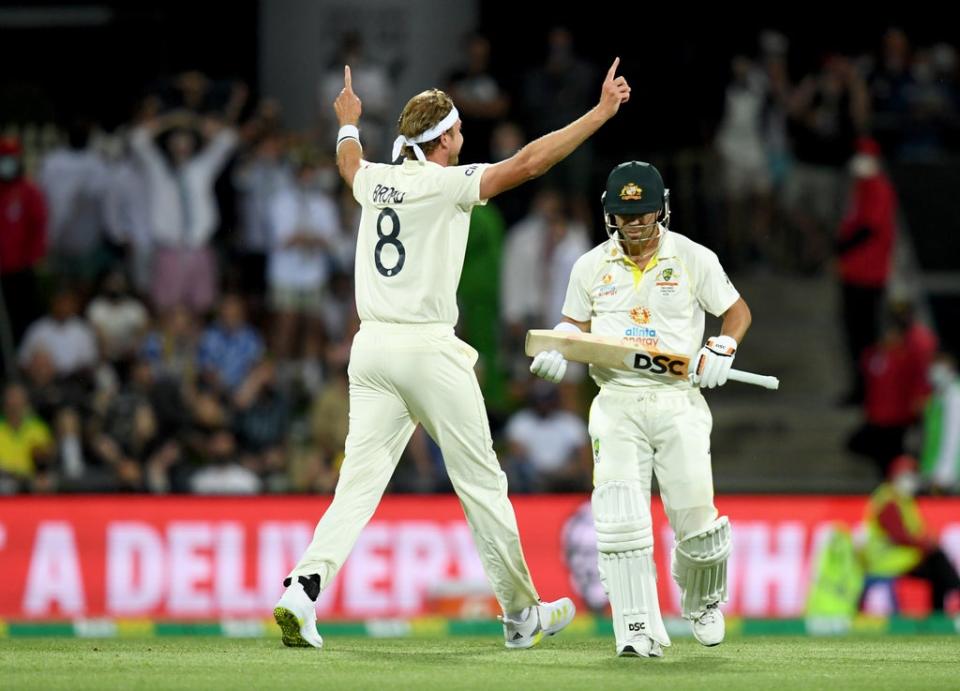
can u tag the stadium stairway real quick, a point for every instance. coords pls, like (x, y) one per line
(791, 440)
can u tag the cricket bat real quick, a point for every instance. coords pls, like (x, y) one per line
(607, 351)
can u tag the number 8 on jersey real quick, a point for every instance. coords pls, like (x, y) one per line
(391, 239)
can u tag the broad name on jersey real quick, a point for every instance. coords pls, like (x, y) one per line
(383, 194)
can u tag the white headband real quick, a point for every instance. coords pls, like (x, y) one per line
(449, 121)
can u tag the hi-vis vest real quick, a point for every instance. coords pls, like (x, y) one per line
(881, 556)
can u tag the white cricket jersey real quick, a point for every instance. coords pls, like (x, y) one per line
(412, 239)
(658, 308)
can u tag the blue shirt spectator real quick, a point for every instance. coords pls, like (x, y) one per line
(230, 347)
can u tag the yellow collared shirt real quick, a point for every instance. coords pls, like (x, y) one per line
(660, 307)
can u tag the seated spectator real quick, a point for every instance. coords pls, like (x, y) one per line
(330, 412)
(940, 460)
(50, 394)
(131, 446)
(230, 347)
(172, 350)
(67, 338)
(261, 421)
(548, 447)
(26, 445)
(222, 472)
(898, 543)
(118, 318)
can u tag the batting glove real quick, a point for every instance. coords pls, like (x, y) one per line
(714, 362)
(549, 365)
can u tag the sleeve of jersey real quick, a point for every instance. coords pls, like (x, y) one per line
(577, 305)
(360, 182)
(715, 293)
(462, 184)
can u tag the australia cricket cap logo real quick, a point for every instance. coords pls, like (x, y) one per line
(640, 315)
(631, 192)
(667, 275)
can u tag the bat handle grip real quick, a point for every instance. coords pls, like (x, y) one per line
(763, 380)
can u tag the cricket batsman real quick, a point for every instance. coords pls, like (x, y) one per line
(406, 365)
(650, 287)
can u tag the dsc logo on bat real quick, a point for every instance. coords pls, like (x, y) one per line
(659, 364)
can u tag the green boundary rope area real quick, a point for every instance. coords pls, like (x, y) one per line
(440, 628)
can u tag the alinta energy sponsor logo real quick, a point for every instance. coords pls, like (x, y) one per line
(642, 336)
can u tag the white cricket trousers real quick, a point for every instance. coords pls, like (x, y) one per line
(401, 375)
(665, 430)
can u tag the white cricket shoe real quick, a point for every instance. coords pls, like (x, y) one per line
(708, 626)
(296, 615)
(641, 646)
(546, 619)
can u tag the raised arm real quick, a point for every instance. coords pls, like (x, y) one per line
(539, 156)
(349, 151)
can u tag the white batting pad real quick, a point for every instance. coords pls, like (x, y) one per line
(700, 566)
(625, 543)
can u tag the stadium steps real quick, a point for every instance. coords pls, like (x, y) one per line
(791, 440)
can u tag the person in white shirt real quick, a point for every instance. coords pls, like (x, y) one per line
(126, 210)
(651, 287)
(304, 222)
(373, 80)
(119, 319)
(258, 179)
(183, 208)
(548, 444)
(75, 180)
(65, 337)
(406, 364)
(538, 255)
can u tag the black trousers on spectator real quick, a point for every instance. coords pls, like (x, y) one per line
(20, 297)
(879, 444)
(20, 306)
(861, 324)
(937, 569)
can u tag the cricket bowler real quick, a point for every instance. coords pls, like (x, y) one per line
(406, 365)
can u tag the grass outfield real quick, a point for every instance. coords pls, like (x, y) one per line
(880, 662)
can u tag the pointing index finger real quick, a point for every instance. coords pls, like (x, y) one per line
(347, 79)
(613, 69)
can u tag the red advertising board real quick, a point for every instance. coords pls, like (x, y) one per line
(213, 558)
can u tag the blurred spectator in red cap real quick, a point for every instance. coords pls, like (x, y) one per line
(23, 237)
(898, 543)
(865, 250)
